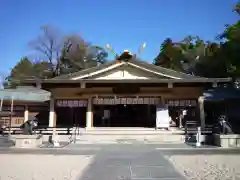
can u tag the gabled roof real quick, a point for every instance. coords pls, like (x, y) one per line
(156, 74)
(142, 65)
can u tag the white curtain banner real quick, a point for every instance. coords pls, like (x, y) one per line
(162, 117)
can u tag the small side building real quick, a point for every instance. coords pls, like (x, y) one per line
(23, 103)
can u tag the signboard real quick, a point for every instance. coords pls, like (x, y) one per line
(181, 103)
(15, 108)
(71, 103)
(162, 117)
(126, 100)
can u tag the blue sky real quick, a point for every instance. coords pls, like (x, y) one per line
(125, 24)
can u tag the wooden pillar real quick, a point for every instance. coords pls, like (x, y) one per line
(201, 110)
(26, 114)
(89, 115)
(51, 113)
(55, 119)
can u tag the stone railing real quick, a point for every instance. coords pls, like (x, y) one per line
(227, 140)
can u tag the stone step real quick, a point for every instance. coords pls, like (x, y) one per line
(129, 131)
(120, 129)
(129, 136)
(135, 138)
(132, 133)
(125, 142)
(125, 129)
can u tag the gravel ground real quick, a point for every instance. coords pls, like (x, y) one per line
(43, 167)
(207, 167)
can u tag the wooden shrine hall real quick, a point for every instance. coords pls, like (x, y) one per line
(120, 93)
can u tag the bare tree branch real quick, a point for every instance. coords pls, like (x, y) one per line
(49, 44)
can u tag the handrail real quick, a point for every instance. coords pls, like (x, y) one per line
(45, 130)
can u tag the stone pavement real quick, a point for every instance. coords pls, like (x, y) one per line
(124, 165)
(101, 162)
(109, 162)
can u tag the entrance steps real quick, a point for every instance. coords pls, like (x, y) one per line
(129, 136)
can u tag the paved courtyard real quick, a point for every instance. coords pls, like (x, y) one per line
(122, 162)
(103, 163)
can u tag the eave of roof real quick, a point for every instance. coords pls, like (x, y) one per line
(192, 80)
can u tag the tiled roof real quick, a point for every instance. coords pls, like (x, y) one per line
(137, 62)
(25, 93)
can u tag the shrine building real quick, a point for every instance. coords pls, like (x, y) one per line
(129, 89)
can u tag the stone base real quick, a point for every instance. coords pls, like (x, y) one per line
(227, 141)
(28, 141)
(6, 141)
(204, 139)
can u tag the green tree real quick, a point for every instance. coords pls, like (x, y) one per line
(194, 56)
(22, 70)
(26, 69)
(237, 8)
(77, 54)
(209, 59)
(212, 64)
(169, 55)
(180, 56)
(231, 46)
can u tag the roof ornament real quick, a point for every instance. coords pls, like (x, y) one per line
(126, 55)
(141, 49)
(111, 50)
